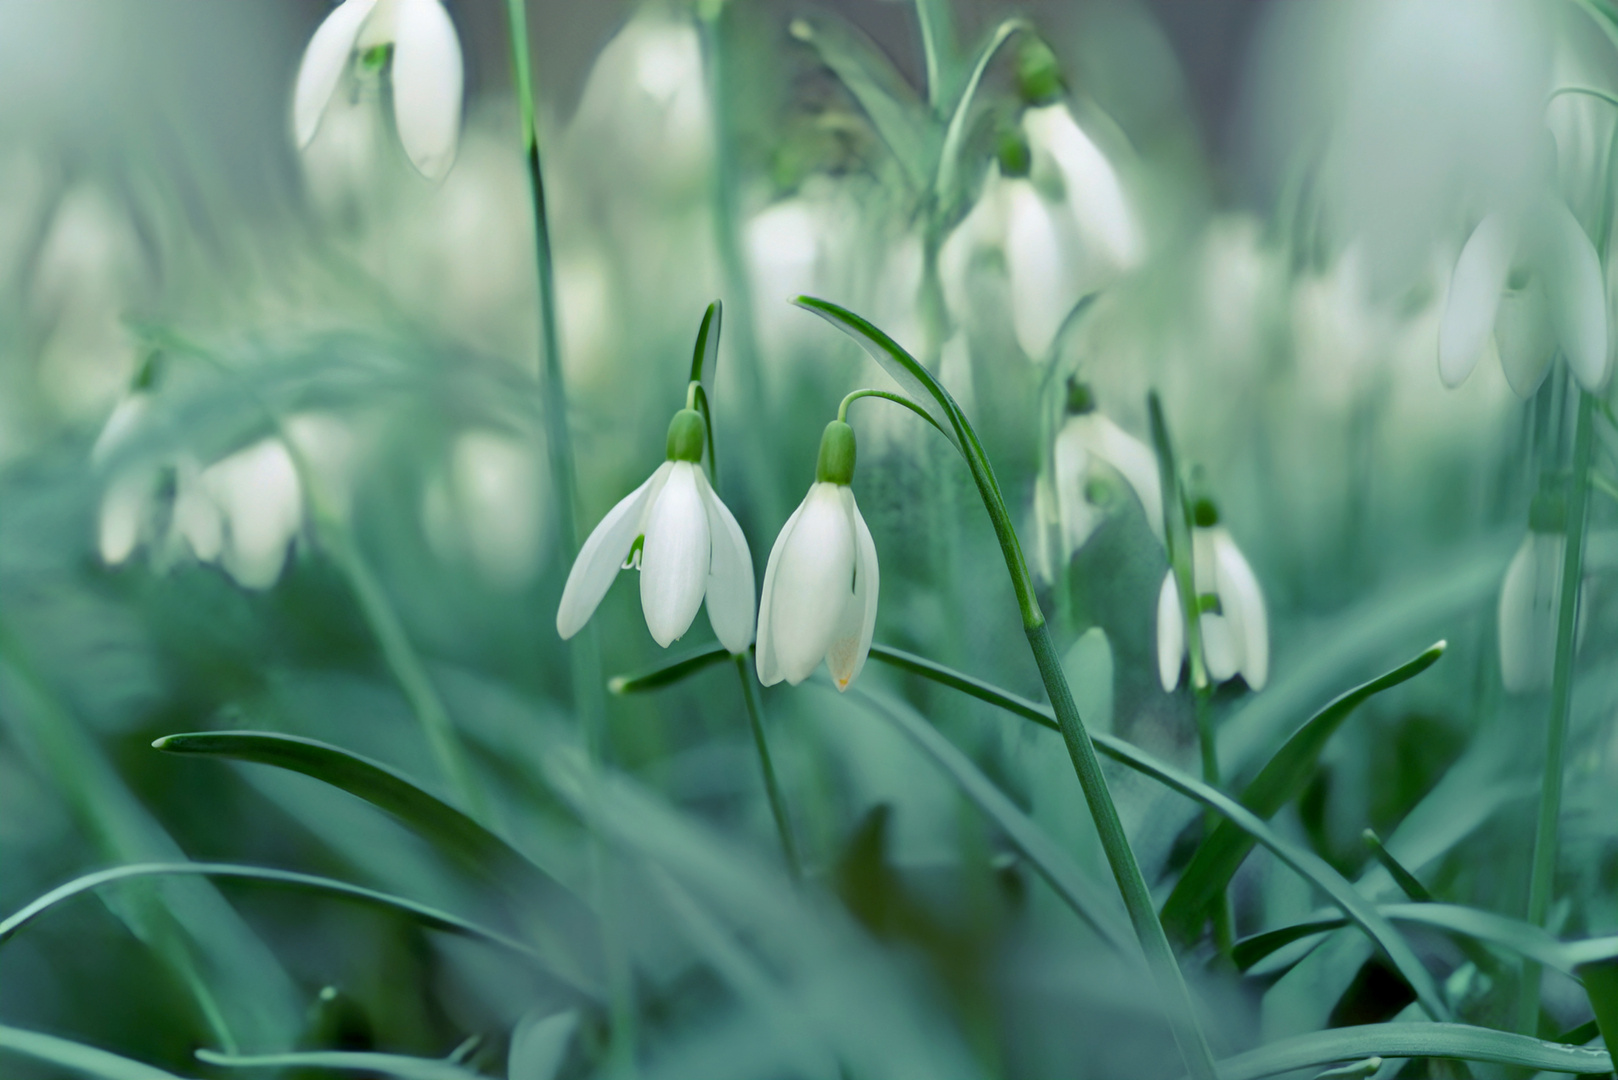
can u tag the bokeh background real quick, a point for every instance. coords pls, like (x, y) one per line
(1301, 176)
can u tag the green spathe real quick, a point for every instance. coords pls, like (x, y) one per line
(836, 462)
(686, 433)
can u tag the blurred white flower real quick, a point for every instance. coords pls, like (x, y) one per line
(1531, 599)
(485, 508)
(1233, 623)
(1533, 279)
(260, 505)
(1062, 225)
(821, 584)
(426, 74)
(684, 541)
(1088, 445)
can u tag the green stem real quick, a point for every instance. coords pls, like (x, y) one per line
(1542, 877)
(1121, 857)
(897, 399)
(778, 806)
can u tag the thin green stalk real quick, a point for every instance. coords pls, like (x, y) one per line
(778, 806)
(1542, 877)
(585, 653)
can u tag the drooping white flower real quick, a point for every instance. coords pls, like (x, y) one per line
(684, 541)
(1060, 220)
(260, 503)
(1233, 624)
(1532, 279)
(820, 587)
(1087, 446)
(1531, 600)
(485, 508)
(427, 74)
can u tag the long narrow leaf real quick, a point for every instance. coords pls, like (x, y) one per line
(428, 916)
(1461, 1041)
(1096, 908)
(1501, 931)
(446, 828)
(77, 1058)
(947, 177)
(1282, 778)
(898, 115)
(396, 1065)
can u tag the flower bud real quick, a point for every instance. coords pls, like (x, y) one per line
(686, 436)
(836, 463)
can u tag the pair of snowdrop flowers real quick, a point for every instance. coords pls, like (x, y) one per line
(243, 512)
(1090, 451)
(820, 585)
(426, 73)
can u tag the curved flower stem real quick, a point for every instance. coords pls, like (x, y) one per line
(778, 806)
(1542, 876)
(897, 399)
(1588, 91)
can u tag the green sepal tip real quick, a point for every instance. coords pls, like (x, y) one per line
(836, 462)
(687, 432)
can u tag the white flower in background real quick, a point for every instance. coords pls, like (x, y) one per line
(1054, 208)
(426, 74)
(820, 587)
(484, 508)
(260, 504)
(1088, 447)
(1531, 278)
(1233, 624)
(1531, 599)
(686, 544)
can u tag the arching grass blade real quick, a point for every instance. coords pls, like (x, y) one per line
(394, 1065)
(76, 1058)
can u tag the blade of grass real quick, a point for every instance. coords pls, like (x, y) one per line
(443, 826)
(428, 916)
(76, 1057)
(1219, 856)
(395, 1065)
(1461, 1041)
(1500, 931)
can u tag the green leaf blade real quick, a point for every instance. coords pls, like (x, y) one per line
(76, 1057)
(1405, 1040)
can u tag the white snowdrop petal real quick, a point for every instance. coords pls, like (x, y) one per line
(1043, 288)
(769, 668)
(603, 555)
(674, 563)
(261, 501)
(852, 642)
(1474, 295)
(1135, 461)
(197, 518)
(1529, 599)
(427, 85)
(124, 421)
(813, 583)
(1170, 633)
(1076, 517)
(323, 63)
(1525, 337)
(1243, 602)
(1219, 647)
(123, 512)
(1577, 294)
(1093, 189)
(730, 574)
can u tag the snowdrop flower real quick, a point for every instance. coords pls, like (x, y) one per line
(1530, 600)
(1531, 278)
(1053, 205)
(260, 503)
(820, 586)
(1234, 627)
(1088, 447)
(426, 74)
(684, 542)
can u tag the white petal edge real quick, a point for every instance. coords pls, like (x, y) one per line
(674, 563)
(813, 583)
(1076, 518)
(1043, 287)
(123, 512)
(1529, 598)
(1239, 592)
(603, 555)
(322, 67)
(427, 86)
(1577, 294)
(1525, 337)
(1474, 295)
(846, 656)
(1170, 634)
(769, 669)
(1093, 189)
(1136, 462)
(730, 574)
